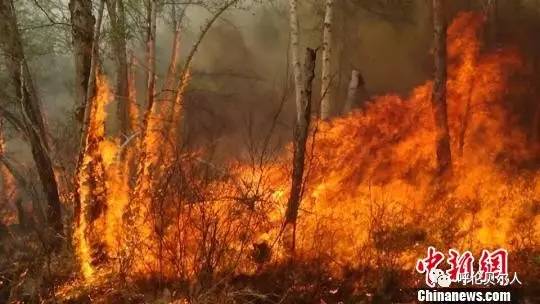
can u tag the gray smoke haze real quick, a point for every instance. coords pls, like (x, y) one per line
(240, 77)
(239, 73)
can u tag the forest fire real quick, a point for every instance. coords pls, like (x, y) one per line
(151, 205)
(371, 186)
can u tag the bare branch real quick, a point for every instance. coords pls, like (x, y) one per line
(12, 119)
(201, 37)
(51, 20)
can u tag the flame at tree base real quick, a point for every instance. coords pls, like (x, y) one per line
(371, 197)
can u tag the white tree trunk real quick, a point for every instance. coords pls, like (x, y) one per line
(356, 93)
(326, 77)
(301, 132)
(295, 56)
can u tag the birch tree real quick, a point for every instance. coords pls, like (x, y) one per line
(301, 132)
(438, 99)
(356, 92)
(295, 56)
(303, 85)
(326, 77)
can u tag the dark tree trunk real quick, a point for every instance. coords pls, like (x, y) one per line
(119, 40)
(82, 29)
(88, 104)
(438, 99)
(301, 132)
(25, 92)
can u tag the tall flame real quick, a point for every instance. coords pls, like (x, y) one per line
(370, 195)
(91, 224)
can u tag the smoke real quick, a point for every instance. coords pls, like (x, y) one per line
(240, 71)
(240, 74)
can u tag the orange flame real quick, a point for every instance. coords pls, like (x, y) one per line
(7, 185)
(370, 196)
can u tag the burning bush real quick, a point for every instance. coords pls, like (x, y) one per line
(372, 199)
